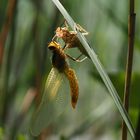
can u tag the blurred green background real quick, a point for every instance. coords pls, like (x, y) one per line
(27, 62)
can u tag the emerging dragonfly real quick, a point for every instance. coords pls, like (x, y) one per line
(53, 102)
(59, 62)
(70, 38)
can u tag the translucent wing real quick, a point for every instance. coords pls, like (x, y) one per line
(53, 102)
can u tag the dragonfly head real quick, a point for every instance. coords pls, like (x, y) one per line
(54, 45)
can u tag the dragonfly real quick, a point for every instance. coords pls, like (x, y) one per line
(53, 102)
(70, 38)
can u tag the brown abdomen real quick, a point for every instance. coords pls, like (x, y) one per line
(74, 87)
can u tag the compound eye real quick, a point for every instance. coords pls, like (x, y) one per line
(53, 45)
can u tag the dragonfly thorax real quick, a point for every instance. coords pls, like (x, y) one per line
(59, 61)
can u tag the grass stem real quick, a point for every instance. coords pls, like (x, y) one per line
(131, 36)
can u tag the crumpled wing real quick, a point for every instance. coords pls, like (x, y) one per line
(53, 102)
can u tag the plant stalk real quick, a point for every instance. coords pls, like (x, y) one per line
(6, 27)
(131, 35)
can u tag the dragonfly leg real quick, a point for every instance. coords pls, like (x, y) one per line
(79, 56)
(54, 37)
(65, 47)
(76, 59)
(80, 29)
(81, 60)
(66, 24)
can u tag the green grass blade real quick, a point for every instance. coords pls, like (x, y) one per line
(100, 69)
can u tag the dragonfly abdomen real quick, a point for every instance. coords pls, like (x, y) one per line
(70, 74)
